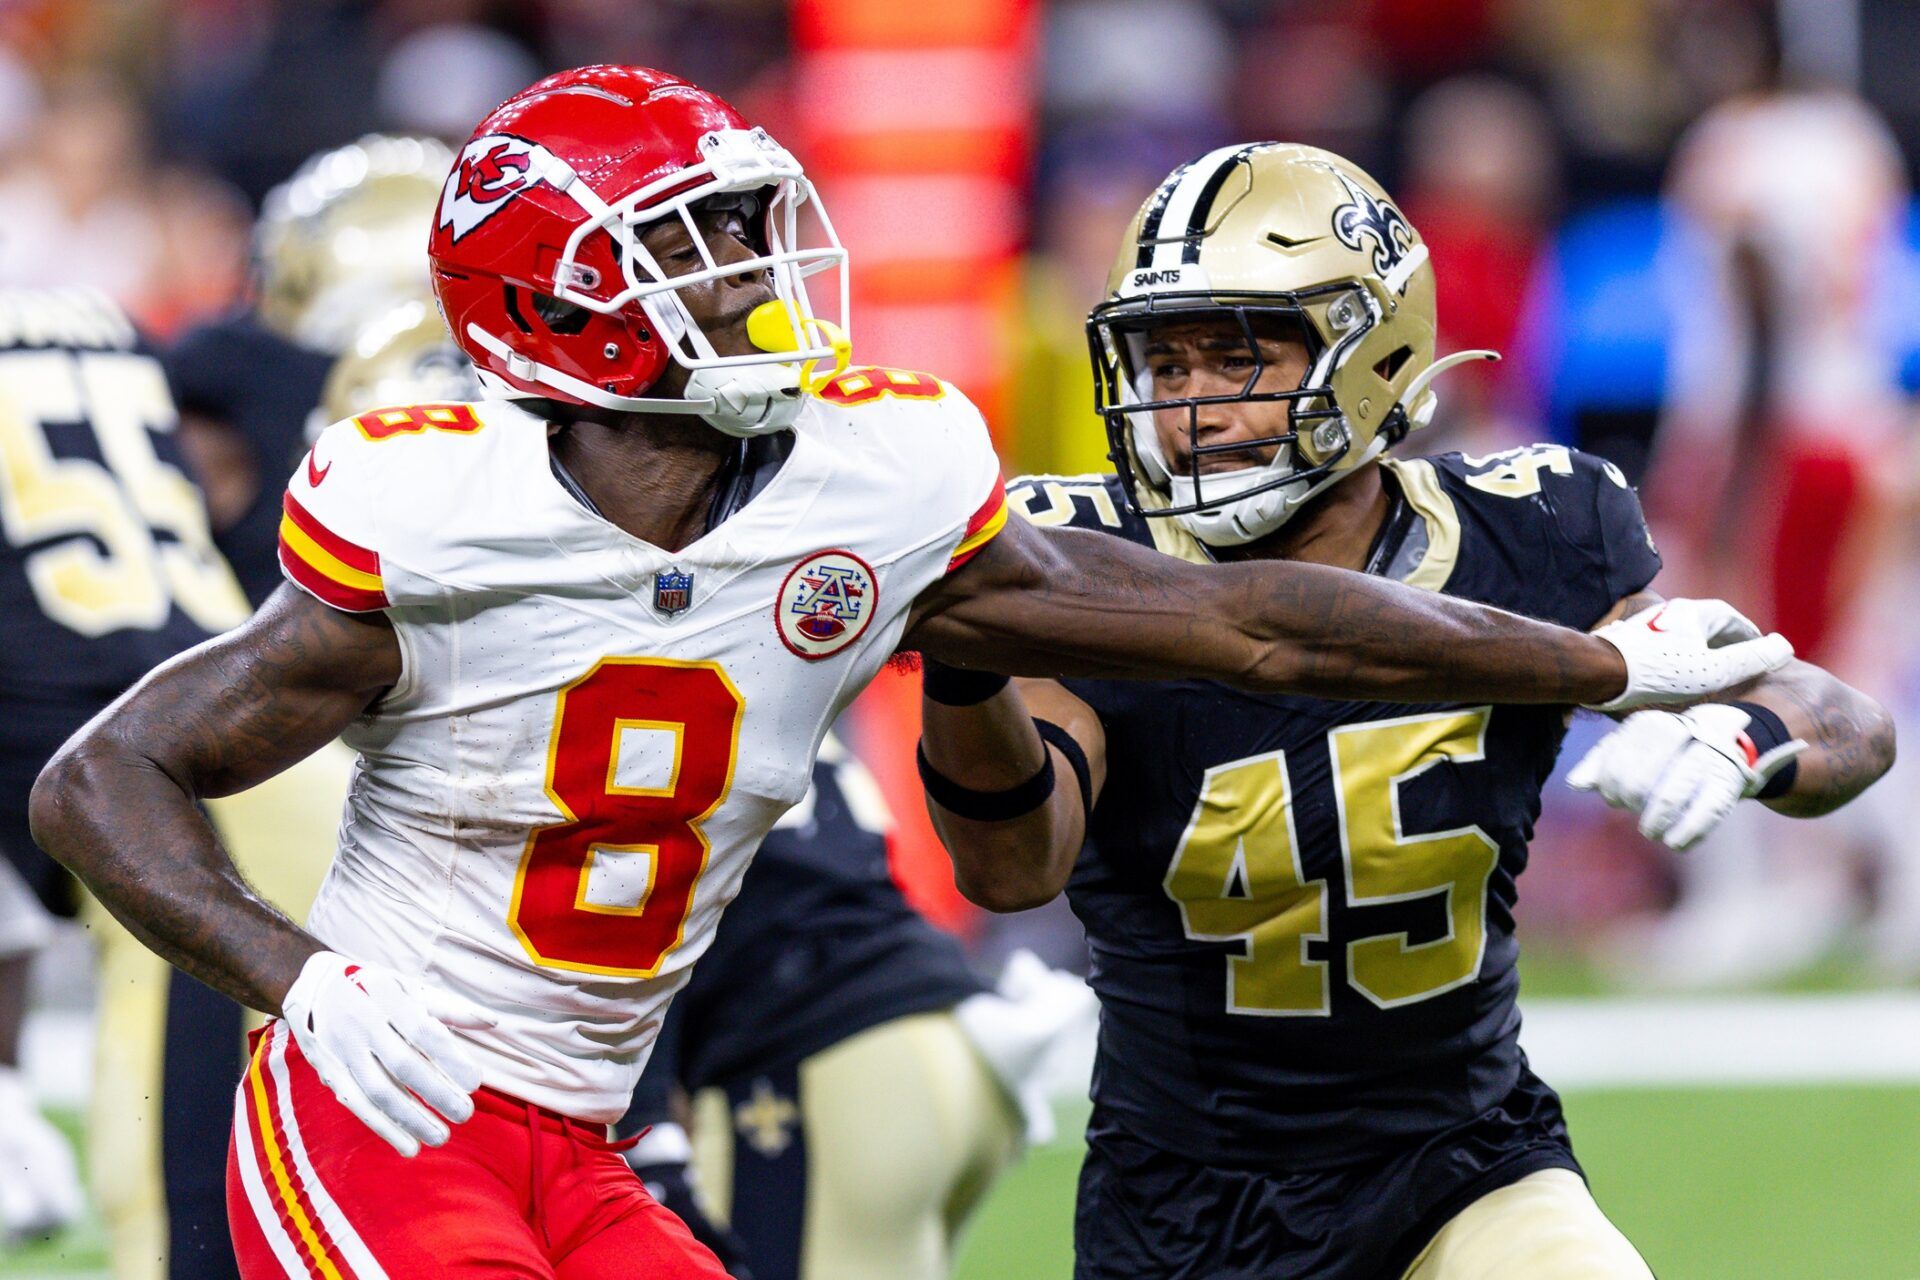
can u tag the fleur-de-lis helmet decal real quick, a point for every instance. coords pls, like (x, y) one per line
(1266, 244)
(1368, 217)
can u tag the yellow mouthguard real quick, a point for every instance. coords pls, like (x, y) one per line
(772, 325)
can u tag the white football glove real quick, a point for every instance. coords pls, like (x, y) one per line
(1682, 772)
(39, 1184)
(1684, 650)
(382, 1045)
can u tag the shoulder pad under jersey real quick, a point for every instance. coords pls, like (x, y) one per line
(929, 443)
(370, 489)
(1570, 517)
(1097, 503)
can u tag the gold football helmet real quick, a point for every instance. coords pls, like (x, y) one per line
(346, 237)
(1262, 230)
(404, 356)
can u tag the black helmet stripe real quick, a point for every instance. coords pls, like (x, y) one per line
(1150, 225)
(1185, 200)
(1203, 204)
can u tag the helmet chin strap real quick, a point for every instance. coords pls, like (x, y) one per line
(744, 400)
(748, 400)
(1237, 521)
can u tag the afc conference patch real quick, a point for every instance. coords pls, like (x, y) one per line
(825, 604)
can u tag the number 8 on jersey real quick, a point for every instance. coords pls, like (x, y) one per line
(553, 913)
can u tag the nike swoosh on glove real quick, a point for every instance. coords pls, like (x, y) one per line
(381, 1043)
(1682, 772)
(1685, 650)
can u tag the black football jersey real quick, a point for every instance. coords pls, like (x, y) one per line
(237, 371)
(106, 567)
(1301, 910)
(819, 945)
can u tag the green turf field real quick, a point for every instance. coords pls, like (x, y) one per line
(1713, 1184)
(1796, 1183)
(82, 1250)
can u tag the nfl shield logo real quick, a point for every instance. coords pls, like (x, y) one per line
(672, 591)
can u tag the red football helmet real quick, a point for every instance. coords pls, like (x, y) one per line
(539, 268)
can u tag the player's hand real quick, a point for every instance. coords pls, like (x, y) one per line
(1684, 650)
(40, 1192)
(382, 1045)
(1682, 772)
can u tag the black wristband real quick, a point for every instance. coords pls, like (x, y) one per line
(1766, 730)
(1054, 735)
(985, 806)
(958, 686)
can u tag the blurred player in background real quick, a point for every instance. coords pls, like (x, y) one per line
(39, 1183)
(401, 356)
(1300, 909)
(561, 777)
(1771, 484)
(856, 1086)
(108, 571)
(337, 244)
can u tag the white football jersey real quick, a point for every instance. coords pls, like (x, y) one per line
(592, 735)
(1815, 183)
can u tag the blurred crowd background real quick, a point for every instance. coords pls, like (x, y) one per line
(1688, 224)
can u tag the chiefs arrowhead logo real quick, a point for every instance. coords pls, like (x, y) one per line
(489, 172)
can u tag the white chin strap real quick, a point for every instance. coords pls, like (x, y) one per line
(750, 399)
(1235, 521)
(741, 400)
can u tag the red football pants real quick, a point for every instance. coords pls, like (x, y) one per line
(1824, 503)
(516, 1192)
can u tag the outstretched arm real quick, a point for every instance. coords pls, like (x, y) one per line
(1067, 602)
(119, 803)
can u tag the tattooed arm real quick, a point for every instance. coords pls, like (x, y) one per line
(1069, 602)
(1849, 736)
(1686, 770)
(119, 803)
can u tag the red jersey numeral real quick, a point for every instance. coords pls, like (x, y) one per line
(864, 386)
(551, 914)
(409, 420)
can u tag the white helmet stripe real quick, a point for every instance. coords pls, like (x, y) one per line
(1156, 212)
(1183, 215)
